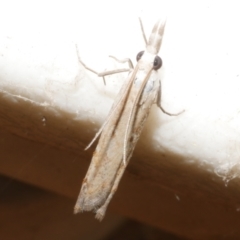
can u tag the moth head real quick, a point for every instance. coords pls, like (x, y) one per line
(157, 63)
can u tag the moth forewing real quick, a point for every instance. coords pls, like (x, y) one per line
(93, 190)
(121, 130)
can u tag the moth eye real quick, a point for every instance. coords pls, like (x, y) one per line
(139, 55)
(157, 63)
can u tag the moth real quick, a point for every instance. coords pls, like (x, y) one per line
(123, 126)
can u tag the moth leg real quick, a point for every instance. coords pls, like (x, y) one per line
(158, 102)
(102, 74)
(128, 60)
(100, 213)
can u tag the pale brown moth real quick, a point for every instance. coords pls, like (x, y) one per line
(123, 126)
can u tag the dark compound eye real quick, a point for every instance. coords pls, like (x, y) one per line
(139, 55)
(157, 63)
